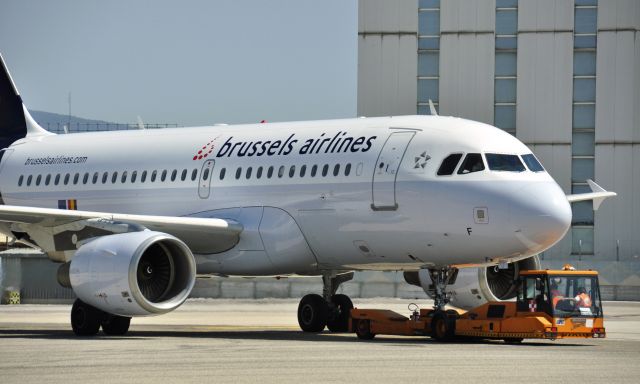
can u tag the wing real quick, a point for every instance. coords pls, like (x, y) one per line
(598, 194)
(57, 230)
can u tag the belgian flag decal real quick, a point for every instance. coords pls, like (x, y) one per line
(68, 204)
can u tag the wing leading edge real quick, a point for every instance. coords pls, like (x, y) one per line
(202, 235)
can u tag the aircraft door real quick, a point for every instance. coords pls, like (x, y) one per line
(384, 176)
(206, 174)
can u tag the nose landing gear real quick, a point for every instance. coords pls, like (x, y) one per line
(330, 310)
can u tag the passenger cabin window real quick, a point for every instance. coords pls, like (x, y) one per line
(174, 173)
(154, 174)
(471, 163)
(205, 175)
(95, 178)
(163, 177)
(449, 164)
(134, 176)
(259, 172)
(57, 181)
(143, 177)
(270, 172)
(29, 180)
(347, 169)
(281, 171)
(336, 170)
(248, 174)
(66, 179)
(38, 179)
(20, 180)
(85, 178)
(292, 171)
(194, 175)
(124, 177)
(76, 177)
(505, 163)
(314, 170)
(105, 176)
(532, 163)
(183, 176)
(325, 170)
(303, 170)
(47, 180)
(114, 177)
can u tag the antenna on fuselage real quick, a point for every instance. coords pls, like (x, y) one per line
(432, 109)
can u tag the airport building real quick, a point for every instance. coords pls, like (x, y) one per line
(563, 76)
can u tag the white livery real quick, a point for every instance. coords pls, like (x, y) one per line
(133, 216)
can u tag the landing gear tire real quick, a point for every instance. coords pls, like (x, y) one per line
(85, 319)
(442, 327)
(116, 325)
(339, 315)
(363, 330)
(312, 313)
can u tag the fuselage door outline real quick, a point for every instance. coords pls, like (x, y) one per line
(206, 174)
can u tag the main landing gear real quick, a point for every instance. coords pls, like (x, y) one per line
(316, 312)
(86, 320)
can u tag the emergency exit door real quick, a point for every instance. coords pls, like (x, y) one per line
(385, 174)
(206, 174)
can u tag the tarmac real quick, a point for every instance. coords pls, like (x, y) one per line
(249, 341)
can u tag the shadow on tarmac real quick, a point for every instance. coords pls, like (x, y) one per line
(272, 335)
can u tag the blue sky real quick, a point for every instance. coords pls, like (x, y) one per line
(190, 62)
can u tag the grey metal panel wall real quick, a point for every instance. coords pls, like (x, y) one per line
(387, 57)
(467, 16)
(616, 87)
(617, 224)
(618, 14)
(545, 81)
(387, 72)
(466, 76)
(545, 15)
(387, 16)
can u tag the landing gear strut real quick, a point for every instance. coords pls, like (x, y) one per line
(330, 310)
(441, 278)
(443, 322)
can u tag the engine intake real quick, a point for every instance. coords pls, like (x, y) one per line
(132, 274)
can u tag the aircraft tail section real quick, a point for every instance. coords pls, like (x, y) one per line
(15, 120)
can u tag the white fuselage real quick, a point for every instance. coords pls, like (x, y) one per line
(337, 194)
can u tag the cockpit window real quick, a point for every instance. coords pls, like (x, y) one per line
(508, 163)
(449, 164)
(472, 163)
(532, 163)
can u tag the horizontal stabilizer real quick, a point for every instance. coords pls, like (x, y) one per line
(598, 195)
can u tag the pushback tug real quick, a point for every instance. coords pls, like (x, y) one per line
(551, 304)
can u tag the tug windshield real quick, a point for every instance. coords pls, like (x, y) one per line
(575, 296)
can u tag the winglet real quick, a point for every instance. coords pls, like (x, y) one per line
(596, 188)
(598, 195)
(432, 109)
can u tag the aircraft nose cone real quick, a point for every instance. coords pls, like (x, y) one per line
(541, 216)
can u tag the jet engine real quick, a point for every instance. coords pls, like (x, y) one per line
(132, 274)
(475, 286)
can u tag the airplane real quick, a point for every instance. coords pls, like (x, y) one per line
(134, 216)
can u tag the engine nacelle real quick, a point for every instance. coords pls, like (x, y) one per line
(133, 274)
(476, 286)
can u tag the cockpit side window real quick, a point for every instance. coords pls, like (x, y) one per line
(508, 163)
(449, 164)
(472, 163)
(532, 163)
